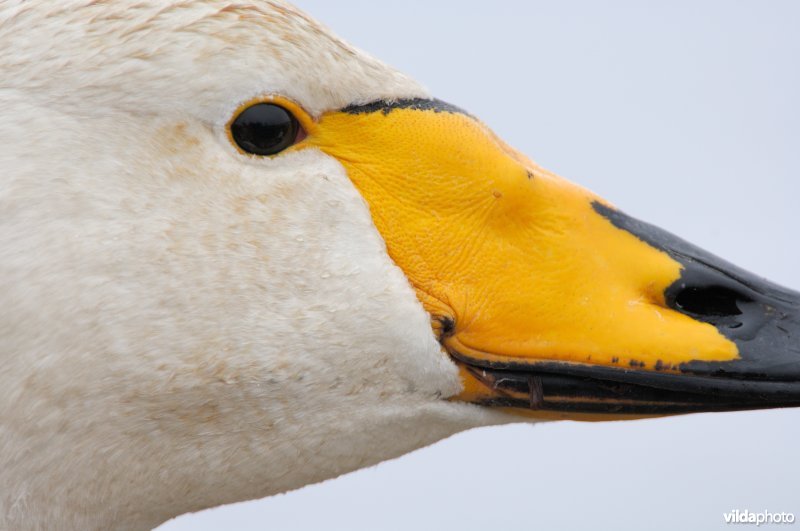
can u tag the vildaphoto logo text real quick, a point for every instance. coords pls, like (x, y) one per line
(764, 517)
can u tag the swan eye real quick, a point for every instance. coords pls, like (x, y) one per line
(265, 129)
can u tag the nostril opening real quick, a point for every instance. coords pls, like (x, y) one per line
(710, 300)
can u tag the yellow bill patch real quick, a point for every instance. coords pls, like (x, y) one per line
(512, 262)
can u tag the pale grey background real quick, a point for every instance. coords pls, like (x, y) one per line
(683, 113)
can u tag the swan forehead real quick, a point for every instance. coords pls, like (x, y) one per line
(200, 57)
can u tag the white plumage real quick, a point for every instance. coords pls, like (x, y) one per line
(183, 326)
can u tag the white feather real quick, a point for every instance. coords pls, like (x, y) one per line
(182, 326)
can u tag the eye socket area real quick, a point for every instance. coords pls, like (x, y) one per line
(267, 127)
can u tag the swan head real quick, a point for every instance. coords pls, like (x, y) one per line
(187, 323)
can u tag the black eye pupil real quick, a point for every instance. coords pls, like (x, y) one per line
(264, 129)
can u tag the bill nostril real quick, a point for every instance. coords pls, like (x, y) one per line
(712, 301)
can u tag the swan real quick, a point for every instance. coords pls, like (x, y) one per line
(241, 256)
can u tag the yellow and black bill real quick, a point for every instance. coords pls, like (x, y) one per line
(760, 318)
(549, 299)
